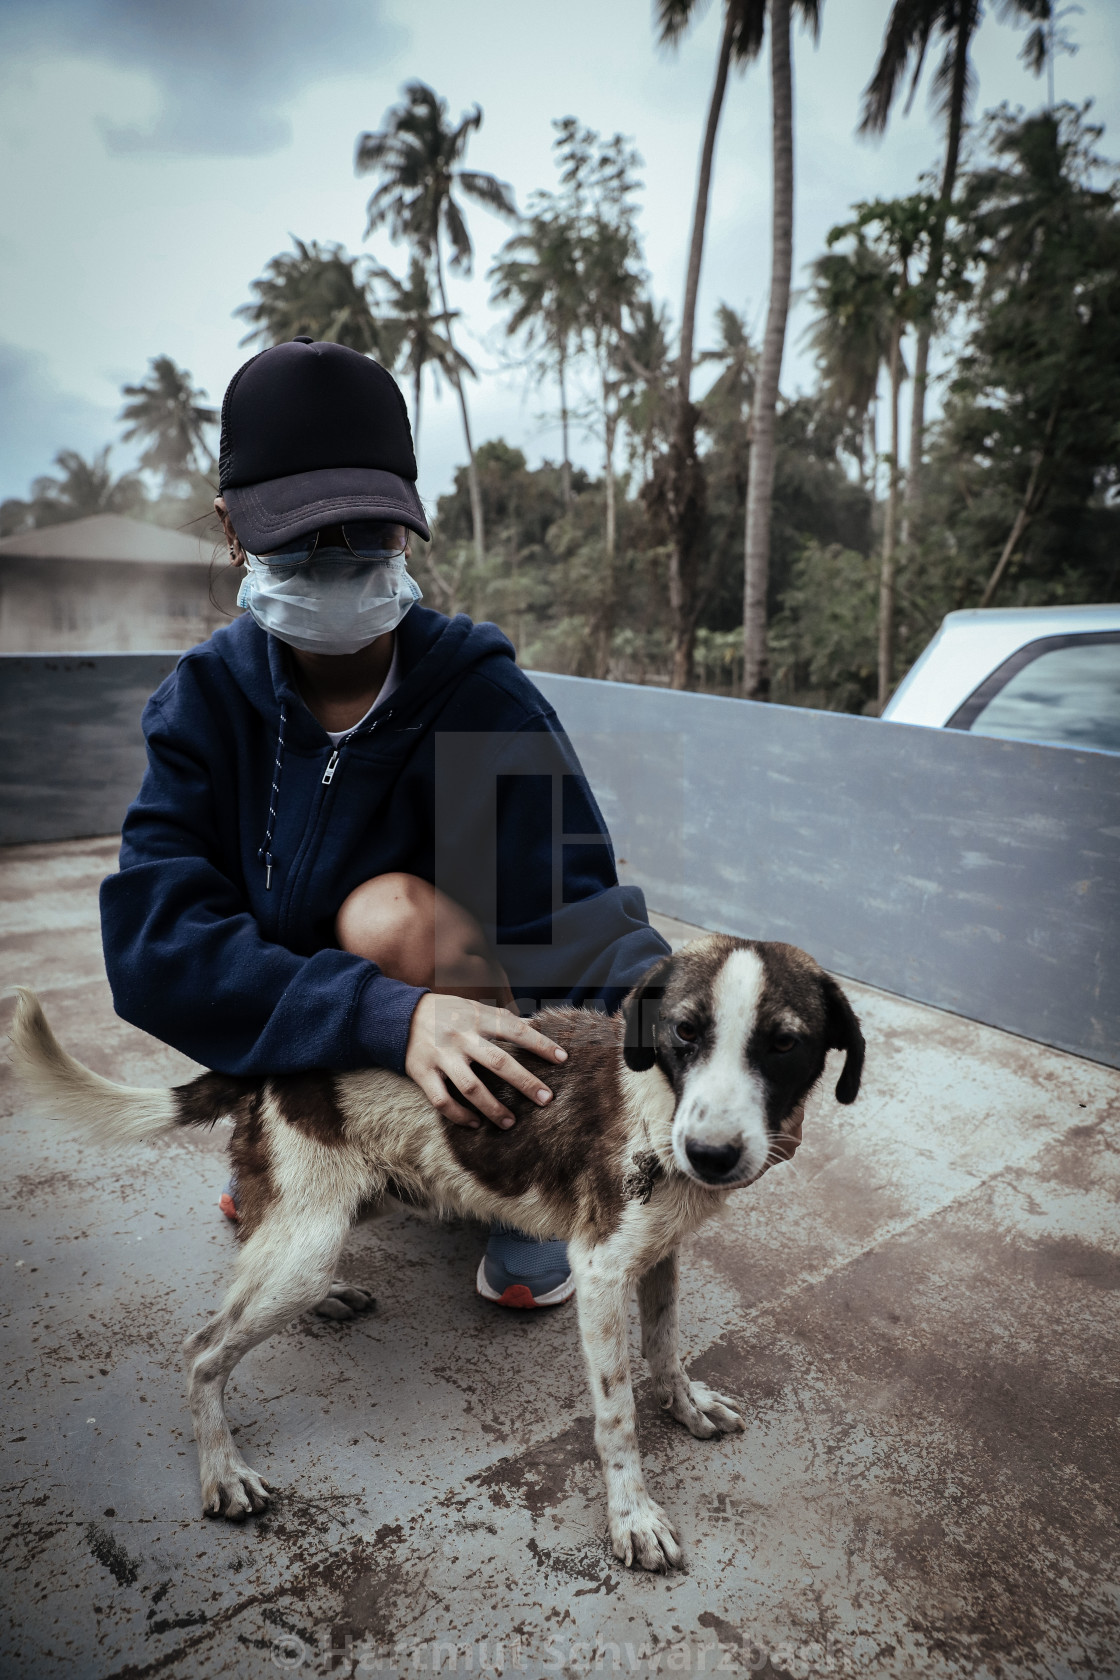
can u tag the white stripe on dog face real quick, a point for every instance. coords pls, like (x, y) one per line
(723, 1101)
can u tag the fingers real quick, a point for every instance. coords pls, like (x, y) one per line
(443, 1102)
(501, 1023)
(467, 1081)
(522, 1079)
(452, 1038)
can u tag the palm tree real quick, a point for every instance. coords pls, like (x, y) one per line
(168, 412)
(84, 488)
(760, 485)
(733, 390)
(647, 366)
(535, 275)
(417, 155)
(601, 183)
(911, 26)
(899, 238)
(415, 326)
(851, 336)
(740, 40)
(316, 289)
(725, 410)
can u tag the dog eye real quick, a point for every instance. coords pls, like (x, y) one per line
(783, 1043)
(686, 1032)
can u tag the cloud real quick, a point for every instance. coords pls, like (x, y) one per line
(226, 70)
(38, 418)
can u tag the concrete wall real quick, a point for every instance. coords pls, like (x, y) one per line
(979, 875)
(80, 606)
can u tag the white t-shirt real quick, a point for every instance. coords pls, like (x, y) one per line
(392, 681)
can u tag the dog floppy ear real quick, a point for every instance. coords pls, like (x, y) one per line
(844, 1034)
(640, 1012)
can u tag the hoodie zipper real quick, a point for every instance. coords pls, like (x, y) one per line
(332, 762)
(313, 837)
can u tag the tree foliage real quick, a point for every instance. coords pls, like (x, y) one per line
(1021, 499)
(1030, 441)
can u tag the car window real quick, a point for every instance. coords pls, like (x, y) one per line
(1064, 689)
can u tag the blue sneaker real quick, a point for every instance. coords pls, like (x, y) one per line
(521, 1271)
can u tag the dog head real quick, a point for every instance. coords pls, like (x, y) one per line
(740, 1028)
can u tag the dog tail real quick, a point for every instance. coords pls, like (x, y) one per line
(104, 1111)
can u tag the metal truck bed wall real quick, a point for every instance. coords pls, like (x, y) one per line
(979, 875)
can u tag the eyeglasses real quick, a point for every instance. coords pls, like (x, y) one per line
(366, 539)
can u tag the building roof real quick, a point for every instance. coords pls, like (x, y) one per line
(109, 536)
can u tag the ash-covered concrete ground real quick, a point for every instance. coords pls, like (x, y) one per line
(920, 1316)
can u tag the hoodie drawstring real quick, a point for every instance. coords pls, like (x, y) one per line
(264, 855)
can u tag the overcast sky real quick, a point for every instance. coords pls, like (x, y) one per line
(154, 156)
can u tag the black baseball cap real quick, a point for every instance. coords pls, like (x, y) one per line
(314, 434)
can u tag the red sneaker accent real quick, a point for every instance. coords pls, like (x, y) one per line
(517, 1295)
(228, 1206)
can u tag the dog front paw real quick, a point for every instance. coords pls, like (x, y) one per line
(231, 1490)
(703, 1412)
(643, 1537)
(343, 1301)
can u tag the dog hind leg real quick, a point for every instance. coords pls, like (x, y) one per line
(284, 1268)
(703, 1412)
(640, 1531)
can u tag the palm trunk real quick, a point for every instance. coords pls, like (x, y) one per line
(932, 276)
(605, 624)
(890, 526)
(760, 489)
(685, 477)
(416, 408)
(611, 531)
(700, 213)
(457, 381)
(566, 468)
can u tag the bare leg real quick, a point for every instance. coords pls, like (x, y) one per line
(640, 1531)
(284, 1268)
(703, 1412)
(414, 932)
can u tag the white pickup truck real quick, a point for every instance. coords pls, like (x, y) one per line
(1024, 673)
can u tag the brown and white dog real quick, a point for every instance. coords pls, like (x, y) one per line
(658, 1114)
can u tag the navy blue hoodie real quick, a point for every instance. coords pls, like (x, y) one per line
(246, 977)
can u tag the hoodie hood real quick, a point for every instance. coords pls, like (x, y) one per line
(434, 654)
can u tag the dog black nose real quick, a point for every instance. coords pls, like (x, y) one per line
(713, 1161)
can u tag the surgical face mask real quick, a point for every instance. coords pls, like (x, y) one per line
(332, 603)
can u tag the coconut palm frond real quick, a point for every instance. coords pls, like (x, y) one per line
(172, 418)
(905, 43)
(489, 191)
(673, 17)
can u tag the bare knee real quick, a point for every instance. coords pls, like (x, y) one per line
(391, 921)
(415, 933)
